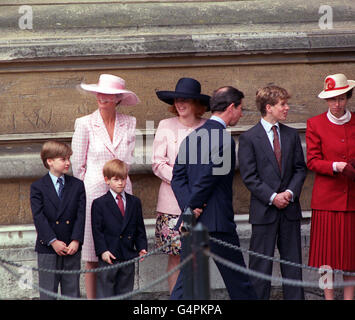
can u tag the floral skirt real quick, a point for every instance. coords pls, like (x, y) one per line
(164, 233)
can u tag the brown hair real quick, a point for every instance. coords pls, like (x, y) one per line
(270, 95)
(54, 149)
(349, 93)
(115, 168)
(199, 108)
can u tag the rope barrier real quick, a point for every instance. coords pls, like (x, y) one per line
(235, 267)
(95, 270)
(118, 297)
(263, 276)
(293, 264)
(101, 269)
(155, 282)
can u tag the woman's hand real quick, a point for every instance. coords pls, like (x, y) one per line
(340, 166)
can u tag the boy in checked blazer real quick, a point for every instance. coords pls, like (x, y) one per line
(58, 208)
(118, 231)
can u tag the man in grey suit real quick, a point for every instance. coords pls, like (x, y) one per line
(272, 167)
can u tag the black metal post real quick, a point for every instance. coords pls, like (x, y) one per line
(201, 276)
(189, 221)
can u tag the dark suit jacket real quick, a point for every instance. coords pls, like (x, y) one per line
(53, 218)
(261, 175)
(124, 236)
(207, 176)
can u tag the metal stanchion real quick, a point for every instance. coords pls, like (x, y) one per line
(201, 263)
(189, 221)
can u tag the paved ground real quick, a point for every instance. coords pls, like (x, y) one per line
(221, 294)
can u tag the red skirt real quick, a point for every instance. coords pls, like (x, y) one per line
(332, 240)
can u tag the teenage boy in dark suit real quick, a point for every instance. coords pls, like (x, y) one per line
(272, 167)
(58, 208)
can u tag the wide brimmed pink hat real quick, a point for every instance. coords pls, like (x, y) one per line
(110, 84)
(335, 85)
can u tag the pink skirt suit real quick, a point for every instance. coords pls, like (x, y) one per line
(168, 137)
(92, 148)
(332, 240)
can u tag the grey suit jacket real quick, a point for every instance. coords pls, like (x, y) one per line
(261, 175)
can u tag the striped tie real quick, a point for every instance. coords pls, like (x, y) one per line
(61, 186)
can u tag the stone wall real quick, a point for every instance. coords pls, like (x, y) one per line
(151, 44)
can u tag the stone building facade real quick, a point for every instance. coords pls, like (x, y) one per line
(47, 49)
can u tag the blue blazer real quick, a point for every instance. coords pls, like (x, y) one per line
(261, 175)
(124, 236)
(53, 218)
(205, 179)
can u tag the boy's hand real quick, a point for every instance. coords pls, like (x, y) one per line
(107, 256)
(73, 247)
(142, 253)
(281, 200)
(59, 247)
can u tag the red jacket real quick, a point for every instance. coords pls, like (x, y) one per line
(326, 143)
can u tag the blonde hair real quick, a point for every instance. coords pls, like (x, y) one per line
(115, 168)
(54, 149)
(270, 95)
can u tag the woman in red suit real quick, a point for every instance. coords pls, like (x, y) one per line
(330, 139)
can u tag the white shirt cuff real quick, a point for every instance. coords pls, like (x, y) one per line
(335, 167)
(272, 198)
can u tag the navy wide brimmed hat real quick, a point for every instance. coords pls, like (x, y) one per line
(187, 88)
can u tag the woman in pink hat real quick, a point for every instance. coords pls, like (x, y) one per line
(99, 137)
(330, 139)
(188, 105)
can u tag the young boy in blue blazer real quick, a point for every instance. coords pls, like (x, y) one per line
(118, 231)
(58, 208)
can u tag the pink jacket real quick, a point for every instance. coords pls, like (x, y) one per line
(168, 137)
(92, 146)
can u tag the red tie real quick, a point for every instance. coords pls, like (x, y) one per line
(277, 148)
(120, 203)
